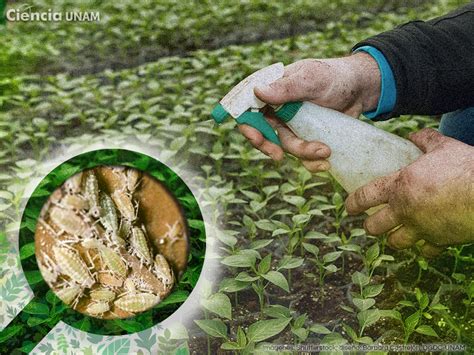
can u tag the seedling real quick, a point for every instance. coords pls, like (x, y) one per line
(325, 263)
(414, 322)
(261, 275)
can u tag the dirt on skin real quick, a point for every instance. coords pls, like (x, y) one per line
(158, 214)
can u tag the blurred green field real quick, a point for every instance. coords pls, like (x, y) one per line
(62, 85)
(134, 32)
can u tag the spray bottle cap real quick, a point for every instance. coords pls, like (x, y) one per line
(287, 111)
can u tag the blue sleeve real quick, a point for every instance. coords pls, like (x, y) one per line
(388, 93)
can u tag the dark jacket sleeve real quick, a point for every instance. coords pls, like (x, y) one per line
(432, 62)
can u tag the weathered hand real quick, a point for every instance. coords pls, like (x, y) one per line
(432, 199)
(350, 85)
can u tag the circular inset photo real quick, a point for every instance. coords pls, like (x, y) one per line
(111, 242)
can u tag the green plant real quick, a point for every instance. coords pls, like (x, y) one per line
(297, 322)
(422, 310)
(260, 275)
(325, 264)
(373, 259)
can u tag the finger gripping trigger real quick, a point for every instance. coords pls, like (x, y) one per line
(257, 120)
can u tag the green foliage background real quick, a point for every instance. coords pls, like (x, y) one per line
(155, 70)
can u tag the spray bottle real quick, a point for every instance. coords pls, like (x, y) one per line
(360, 152)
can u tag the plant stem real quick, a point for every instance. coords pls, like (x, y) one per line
(206, 315)
(418, 279)
(343, 264)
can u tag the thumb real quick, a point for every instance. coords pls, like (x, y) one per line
(281, 91)
(427, 139)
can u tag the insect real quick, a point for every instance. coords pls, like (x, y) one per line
(72, 265)
(73, 184)
(102, 295)
(70, 293)
(98, 308)
(174, 233)
(129, 285)
(121, 177)
(91, 193)
(163, 270)
(124, 204)
(137, 302)
(133, 180)
(67, 221)
(134, 283)
(138, 243)
(125, 228)
(109, 280)
(114, 261)
(48, 269)
(74, 202)
(110, 257)
(109, 217)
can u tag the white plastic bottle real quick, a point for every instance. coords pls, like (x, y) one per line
(360, 152)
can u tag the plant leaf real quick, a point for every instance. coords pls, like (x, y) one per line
(219, 304)
(330, 257)
(277, 311)
(265, 264)
(241, 337)
(214, 327)
(289, 262)
(313, 249)
(265, 329)
(319, 329)
(360, 279)
(426, 330)
(232, 285)
(390, 313)
(27, 250)
(372, 290)
(266, 225)
(372, 253)
(412, 321)
(277, 278)
(246, 277)
(119, 346)
(363, 304)
(261, 243)
(240, 260)
(36, 308)
(368, 317)
(231, 345)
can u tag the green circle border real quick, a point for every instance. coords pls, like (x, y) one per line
(42, 292)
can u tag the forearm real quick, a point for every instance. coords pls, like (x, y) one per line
(432, 62)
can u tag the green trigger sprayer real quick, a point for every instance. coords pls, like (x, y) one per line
(360, 152)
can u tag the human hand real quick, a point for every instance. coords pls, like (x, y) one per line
(350, 85)
(431, 199)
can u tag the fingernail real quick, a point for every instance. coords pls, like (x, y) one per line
(324, 165)
(323, 152)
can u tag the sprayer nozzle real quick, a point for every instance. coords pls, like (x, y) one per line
(219, 114)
